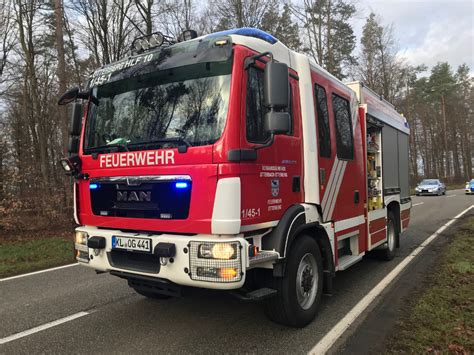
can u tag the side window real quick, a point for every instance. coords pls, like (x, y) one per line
(324, 134)
(256, 109)
(290, 110)
(342, 116)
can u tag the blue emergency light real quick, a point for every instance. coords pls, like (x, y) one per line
(93, 186)
(249, 32)
(181, 185)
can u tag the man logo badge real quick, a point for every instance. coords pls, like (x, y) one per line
(134, 196)
(275, 185)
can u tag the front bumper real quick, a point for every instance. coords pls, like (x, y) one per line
(422, 193)
(177, 272)
(469, 192)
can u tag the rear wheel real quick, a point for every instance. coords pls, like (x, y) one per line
(392, 235)
(300, 290)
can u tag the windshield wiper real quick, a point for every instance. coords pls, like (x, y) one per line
(106, 147)
(182, 143)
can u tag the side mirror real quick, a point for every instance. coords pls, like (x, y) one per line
(277, 122)
(69, 96)
(76, 120)
(276, 85)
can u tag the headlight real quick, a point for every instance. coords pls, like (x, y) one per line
(81, 238)
(80, 244)
(215, 261)
(224, 251)
(417, 188)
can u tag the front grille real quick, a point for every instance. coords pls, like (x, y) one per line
(156, 197)
(134, 261)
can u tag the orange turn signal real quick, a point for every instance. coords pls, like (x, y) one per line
(227, 272)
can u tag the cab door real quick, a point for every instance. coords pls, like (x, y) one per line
(273, 182)
(350, 185)
(326, 150)
(341, 161)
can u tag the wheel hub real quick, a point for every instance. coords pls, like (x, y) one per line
(307, 281)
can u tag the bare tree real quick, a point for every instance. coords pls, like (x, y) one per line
(240, 13)
(7, 36)
(107, 30)
(61, 67)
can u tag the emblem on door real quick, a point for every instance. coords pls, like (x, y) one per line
(275, 186)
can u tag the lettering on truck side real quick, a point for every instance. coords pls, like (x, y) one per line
(131, 159)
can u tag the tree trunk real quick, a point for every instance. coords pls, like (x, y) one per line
(445, 136)
(61, 72)
(330, 62)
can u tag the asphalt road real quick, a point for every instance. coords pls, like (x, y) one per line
(121, 321)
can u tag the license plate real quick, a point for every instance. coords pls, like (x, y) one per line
(131, 243)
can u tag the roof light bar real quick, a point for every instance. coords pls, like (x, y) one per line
(141, 44)
(249, 32)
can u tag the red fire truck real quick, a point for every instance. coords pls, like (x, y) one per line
(230, 162)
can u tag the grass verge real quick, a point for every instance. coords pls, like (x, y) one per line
(21, 256)
(441, 318)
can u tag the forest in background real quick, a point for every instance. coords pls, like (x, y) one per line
(47, 46)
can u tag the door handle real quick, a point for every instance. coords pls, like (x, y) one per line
(296, 184)
(322, 176)
(356, 196)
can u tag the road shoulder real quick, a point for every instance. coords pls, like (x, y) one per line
(372, 334)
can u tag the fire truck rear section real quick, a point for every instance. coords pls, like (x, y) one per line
(300, 177)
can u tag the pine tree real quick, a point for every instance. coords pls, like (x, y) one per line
(330, 39)
(287, 31)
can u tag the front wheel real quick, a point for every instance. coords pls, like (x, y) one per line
(300, 290)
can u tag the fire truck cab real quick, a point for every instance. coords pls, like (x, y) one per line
(230, 162)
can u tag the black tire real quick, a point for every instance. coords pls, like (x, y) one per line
(285, 307)
(392, 236)
(152, 295)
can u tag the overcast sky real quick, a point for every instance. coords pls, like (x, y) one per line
(427, 31)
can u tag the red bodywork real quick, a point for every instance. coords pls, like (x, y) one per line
(206, 164)
(283, 161)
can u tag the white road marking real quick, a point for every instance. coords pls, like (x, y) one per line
(37, 272)
(416, 204)
(335, 333)
(450, 196)
(42, 327)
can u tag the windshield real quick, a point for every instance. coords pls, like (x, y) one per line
(429, 182)
(165, 107)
